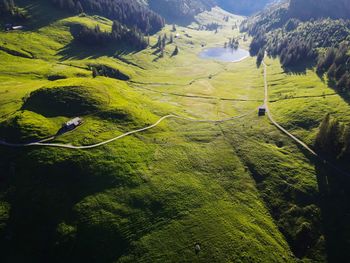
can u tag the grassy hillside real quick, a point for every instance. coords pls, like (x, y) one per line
(240, 189)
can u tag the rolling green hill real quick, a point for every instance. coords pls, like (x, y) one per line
(239, 189)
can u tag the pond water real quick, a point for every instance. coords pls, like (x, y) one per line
(224, 54)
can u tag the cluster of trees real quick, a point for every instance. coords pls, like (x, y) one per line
(232, 43)
(106, 71)
(133, 36)
(119, 34)
(333, 139)
(163, 40)
(292, 40)
(179, 10)
(129, 13)
(306, 9)
(336, 63)
(161, 43)
(9, 8)
(212, 26)
(293, 51)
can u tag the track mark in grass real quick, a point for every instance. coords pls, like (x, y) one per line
(304, 97)
(197, 96)
(68, 146)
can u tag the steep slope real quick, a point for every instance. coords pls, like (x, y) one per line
(180, 11)
(314, 49)
(132, 14)
(306, 9)
(243, 7)
(285, 30)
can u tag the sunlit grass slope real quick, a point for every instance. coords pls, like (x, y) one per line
(152, 196)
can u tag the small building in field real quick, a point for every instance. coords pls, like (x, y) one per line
(262, 110)
(72, 124)
(17, 27)
(10, 27)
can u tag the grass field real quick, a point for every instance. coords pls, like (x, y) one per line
(240, 189)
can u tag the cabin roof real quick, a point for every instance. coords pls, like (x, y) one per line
(76, 121)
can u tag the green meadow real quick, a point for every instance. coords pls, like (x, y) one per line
(241, 189)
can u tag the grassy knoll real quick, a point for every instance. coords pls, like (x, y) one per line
(240, 189)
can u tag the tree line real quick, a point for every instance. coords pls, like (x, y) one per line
(129, 13)
(119, 34)
(9, 8)
(336, 64)
(292, 40)
(333, 139)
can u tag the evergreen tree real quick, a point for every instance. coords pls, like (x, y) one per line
(176, 51)
(260, 57)
(94, 72)
(79, 7)
(129, 13)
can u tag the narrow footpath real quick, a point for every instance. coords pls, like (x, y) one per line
(266, 105)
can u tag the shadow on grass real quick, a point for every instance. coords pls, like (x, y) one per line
(334, 188)
(43, 194)
(76, 50)
(299, 69)
(310, 65)
(42, 13)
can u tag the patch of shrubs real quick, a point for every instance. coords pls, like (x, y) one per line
(106, 71)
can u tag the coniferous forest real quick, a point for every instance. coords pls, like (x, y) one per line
(129, 13)
(119, 34)
(9, 8)
(300, 39)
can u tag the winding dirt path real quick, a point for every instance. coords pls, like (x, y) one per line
(69, 146)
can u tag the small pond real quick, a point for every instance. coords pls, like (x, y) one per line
(224, 54)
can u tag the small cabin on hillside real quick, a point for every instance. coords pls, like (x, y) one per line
(9, 27)
(17, 27)
(72, 124)
(262, 110)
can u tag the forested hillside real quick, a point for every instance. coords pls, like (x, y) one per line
(181, 11)
(290, 32)
(281, 32)
(8, 8)
(129, 13)
(306, 9)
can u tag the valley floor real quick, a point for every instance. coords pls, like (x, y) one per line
(240, 189)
